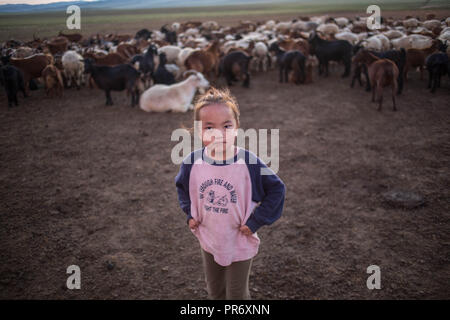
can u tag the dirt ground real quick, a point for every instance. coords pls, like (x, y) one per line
(91, 185)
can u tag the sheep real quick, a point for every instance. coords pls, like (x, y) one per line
(431, 24)
(328, 28)
(349, 36)
(171, 52)
(73, 68)
(341, 21)
(260, 56)
(393, 34)
(176, 98)
(411, 23)
(289, 60)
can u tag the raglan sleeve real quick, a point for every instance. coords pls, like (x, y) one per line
(182, 185)
(271, 206)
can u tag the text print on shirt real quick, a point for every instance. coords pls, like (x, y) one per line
(217, 199)
(257, 141)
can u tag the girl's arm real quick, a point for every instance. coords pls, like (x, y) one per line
(270, 190)
(182, 184)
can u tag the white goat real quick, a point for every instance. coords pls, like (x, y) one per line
(176, 98)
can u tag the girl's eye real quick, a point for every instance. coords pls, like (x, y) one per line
(228, 126)
(208, 128)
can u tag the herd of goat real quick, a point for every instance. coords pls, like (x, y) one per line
(163, 69)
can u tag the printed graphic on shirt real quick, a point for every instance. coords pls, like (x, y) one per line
(219, 194)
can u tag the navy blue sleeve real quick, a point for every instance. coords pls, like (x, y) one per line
(270, 191)
(182, 184)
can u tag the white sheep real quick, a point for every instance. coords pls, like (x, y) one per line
(393, 34)
(411, 23)
(176, 98)
(73, 67)
(349, 36)
(260, 56)
(431, 24)
(171, 52)
(341, 21)
(328, 28)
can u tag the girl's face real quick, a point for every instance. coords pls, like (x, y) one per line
(218, 127)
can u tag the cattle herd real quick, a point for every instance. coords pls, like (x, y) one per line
(163, 69)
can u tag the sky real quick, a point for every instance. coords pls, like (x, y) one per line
(33, 1)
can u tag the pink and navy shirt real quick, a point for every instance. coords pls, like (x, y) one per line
(223, 196)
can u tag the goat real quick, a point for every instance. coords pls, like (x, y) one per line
(161, 75)
(176, 98)
(205, 61)
(289, 60)
(382, 73)
(170, 36)
(74, 37)
(437, 66)
(336, 50)
(53, 81)
(12, 79)
(31, 66)
(234, 66)
(116, 78)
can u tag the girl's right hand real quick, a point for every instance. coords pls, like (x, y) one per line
(193, 224)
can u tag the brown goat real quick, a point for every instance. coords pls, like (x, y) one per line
(31, 67)
(205, 60)
(58, 45)
(74, 37)
(53, 81)
(111, 59)
(295, 44)
(382, 73)
(416, 58)
(127, 50)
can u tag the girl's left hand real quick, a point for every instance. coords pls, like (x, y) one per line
(246, 230)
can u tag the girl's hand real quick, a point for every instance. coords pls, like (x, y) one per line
(193, 224)
(246, 230)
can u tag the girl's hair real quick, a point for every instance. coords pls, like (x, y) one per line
(217, 96)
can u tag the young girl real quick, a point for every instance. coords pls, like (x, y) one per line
(219, 188)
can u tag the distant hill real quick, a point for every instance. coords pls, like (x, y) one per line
(127, 4)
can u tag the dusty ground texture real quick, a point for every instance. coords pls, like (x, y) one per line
(93, 186)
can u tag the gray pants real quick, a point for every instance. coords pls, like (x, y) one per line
(230, 282)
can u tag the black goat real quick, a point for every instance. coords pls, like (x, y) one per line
(161, 75)
(336, 50)
(12, 79)
(170, 36)
(437, 66)
(290, 60)
(234, 66)
(396, 56)
(116, 78)
(143, 34)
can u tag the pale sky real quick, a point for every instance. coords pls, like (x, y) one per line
(34, 1)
